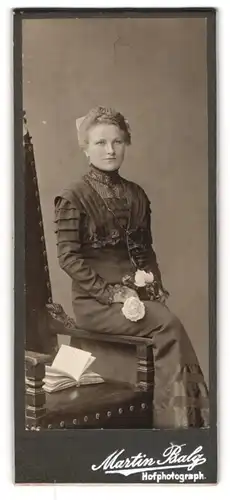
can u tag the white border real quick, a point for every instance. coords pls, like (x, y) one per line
(6, 200)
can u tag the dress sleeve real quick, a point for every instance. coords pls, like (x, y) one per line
(68, 218)
(151, 254)
(144, 253)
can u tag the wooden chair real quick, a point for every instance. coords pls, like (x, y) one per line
(125, 399)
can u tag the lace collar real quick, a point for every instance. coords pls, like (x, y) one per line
(107, 178)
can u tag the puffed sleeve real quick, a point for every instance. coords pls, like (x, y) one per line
(68, 216)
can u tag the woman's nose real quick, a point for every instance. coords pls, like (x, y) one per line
(109, 148)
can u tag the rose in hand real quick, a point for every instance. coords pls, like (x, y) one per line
(142, 278)
(141, 284)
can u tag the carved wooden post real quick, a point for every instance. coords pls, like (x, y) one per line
(35, 399)
(145, 378)
(145, 368)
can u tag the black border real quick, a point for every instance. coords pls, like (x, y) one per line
(66, 457)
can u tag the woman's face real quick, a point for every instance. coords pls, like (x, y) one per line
(106, 147)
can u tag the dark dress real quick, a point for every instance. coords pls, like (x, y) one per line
(103, 233)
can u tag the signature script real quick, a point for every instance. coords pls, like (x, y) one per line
(173, 457)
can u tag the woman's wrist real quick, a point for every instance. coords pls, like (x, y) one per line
(119, 293)
(112, 291)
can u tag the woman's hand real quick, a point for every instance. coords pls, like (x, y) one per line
(163, 295)
(154, 291)
(122, 293)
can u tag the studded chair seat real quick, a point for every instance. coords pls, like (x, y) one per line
(107, 405)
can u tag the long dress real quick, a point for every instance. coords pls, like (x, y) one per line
(103, 229)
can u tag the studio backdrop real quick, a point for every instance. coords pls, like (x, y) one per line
(154, 72)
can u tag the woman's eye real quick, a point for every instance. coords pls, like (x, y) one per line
(100, 142)
(118, 141)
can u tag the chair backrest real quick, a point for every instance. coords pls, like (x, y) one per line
(37, 281)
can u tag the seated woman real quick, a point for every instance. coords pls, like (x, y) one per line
(103, 227)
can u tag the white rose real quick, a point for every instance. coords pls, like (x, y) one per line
(141, 278)
(133, 309)
(149, 278)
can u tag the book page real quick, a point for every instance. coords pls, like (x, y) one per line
(90, 378)
(62, 384)
(71, 360)
(54, 373)
(89, 363)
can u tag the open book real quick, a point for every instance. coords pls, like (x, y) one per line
(70, 368)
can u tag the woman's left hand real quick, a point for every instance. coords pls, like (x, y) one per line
(163, 296)
(153, 292)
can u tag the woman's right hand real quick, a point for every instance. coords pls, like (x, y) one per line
(123, 293)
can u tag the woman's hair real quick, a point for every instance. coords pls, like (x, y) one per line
(100, 115)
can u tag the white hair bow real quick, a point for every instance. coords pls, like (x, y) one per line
(79, 122)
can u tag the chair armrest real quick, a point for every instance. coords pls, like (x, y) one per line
(33, 359)
(61, 323)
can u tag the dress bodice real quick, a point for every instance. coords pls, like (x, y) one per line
(103, 227)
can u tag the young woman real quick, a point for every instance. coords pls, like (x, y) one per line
(103, 232)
